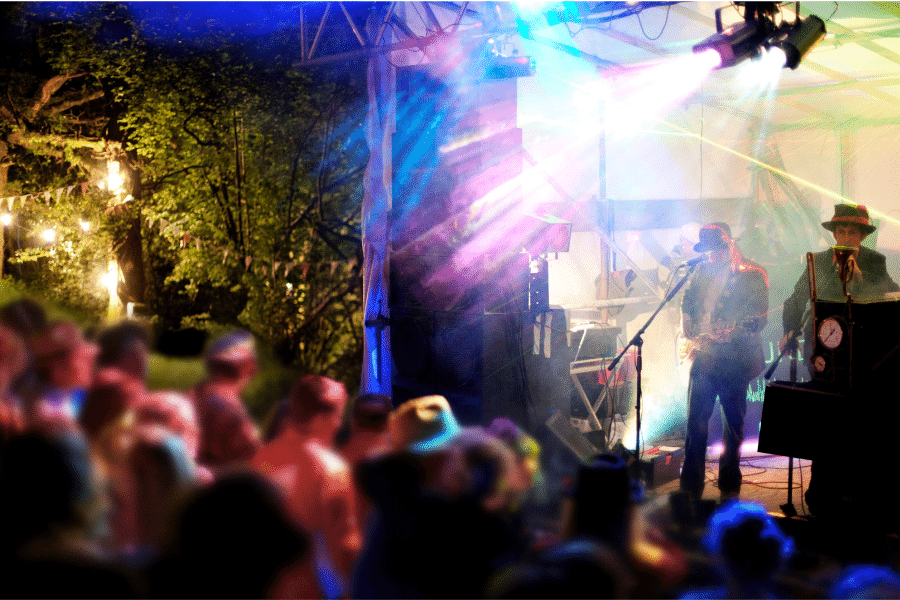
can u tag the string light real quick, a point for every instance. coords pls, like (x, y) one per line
(6, 219)
(110, 279)
(85, 226)
(49, 235)
(114, 180)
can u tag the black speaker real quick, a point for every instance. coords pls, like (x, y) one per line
(799, 421)
(539, 286)
(438, 352)
(484, 364)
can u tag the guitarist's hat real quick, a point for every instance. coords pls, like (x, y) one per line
(847, 214)
(714, 236)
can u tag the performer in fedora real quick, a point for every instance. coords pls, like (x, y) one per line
(869, 277)
(723, 310)
(836, 481)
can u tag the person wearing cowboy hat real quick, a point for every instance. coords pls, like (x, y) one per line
(723, 310)
(868, 273)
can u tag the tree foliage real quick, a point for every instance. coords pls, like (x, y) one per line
(252, 176)
(54, 118)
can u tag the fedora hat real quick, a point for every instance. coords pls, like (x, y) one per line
(422, 425)
(714, 236)
(847, 214)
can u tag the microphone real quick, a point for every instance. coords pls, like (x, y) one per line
(843, 255)
(694, 261)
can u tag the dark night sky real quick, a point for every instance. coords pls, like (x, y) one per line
(241, 18)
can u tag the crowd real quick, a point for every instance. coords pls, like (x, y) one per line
(110, 489)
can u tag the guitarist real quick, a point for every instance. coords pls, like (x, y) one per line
(723, 310)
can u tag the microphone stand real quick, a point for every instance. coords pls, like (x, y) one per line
(638, 341)
(789, 346)
(845, 272)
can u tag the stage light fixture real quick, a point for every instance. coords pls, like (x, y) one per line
(797, 40)
(741, 41)
(737, 42)
(757, 35)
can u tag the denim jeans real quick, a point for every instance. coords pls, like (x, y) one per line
(712, 379)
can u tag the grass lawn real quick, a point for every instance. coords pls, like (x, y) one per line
(172, 373)
(179, 373)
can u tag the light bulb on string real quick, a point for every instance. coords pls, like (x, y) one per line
(6, 219)
(110, 279)
(114, 180)
(49, 235)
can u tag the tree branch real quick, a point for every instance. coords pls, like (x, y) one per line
(26, 139)
(64, 106)
(344, 178)
(7, 115)
(184, 127)
(321, 229)
(294, 169)
(312, 317)
(50, 87)
(13, 113)
(221, 202)
(155, 184)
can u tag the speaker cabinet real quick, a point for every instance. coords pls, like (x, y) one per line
(438, 352)
(484, 364)
(796, 420)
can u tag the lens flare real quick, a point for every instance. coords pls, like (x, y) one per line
(642, 94)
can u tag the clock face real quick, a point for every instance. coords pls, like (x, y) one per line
(818, 363)
(831, 334)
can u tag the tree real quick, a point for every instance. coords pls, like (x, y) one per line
(54, 120)
(252, 175)
(245, 175)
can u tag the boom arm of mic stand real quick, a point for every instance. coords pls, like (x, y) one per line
(638, 342)
(789, 345)
(641, 331)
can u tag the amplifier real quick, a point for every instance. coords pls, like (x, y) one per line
(595, 340)
(661, 465)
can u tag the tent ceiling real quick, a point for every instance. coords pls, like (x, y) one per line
(851, 78)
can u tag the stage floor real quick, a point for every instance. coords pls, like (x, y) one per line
(866, 535)
(765, 480)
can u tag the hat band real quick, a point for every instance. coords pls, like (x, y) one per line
(858, 220)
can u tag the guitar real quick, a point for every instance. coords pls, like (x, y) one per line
(722, 332)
